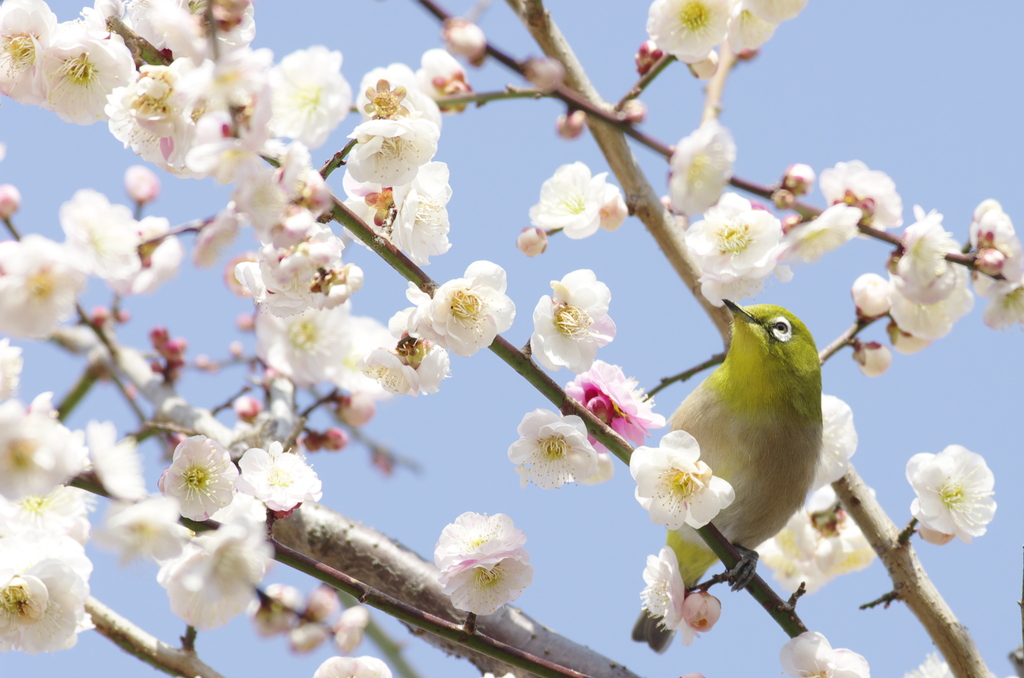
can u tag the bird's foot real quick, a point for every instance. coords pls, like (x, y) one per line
(745, 568)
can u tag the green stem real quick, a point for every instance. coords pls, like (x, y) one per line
(645, 80)
(77, 392)
(482, 98)
(337, 160)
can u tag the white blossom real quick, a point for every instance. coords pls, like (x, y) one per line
(810, 655)
(148, 528)
(871, 295)
(933, 667)
(201, 477)
(775, 11)
(10, 369)
(37, 452)
(747, 30)
(572, 200)
(570, 325)
(353, 667)
(63, 511)
(954, 492)
(922, 273)
(279, 479)
(701, 166)
(870, 190)
(688, 29)
(665, 592)
(467, 313)
(831, 229)
(999, 248)
(100, 235)
(932, 321)
(1006, 303)
(390, 152)
(27, 27)
(838, 440)
(399, 75)
(552, 450)
(161, 260)
(674, 486)
(307, 348)
(737, 248)
(310, 95)
(39, 284)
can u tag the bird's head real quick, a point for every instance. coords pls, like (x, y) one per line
(771, 336)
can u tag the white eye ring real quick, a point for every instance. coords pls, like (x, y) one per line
(781, 329)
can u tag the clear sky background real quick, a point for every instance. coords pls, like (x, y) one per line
(928, 92)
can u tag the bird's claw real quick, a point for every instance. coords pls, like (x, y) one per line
(745, 569)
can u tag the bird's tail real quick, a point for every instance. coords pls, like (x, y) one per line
(694, 559)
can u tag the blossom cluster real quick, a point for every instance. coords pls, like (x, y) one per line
(665, 597)
(482, 561)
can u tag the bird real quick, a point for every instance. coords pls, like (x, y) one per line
(757, 419)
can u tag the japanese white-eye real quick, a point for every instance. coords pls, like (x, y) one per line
(757, 419)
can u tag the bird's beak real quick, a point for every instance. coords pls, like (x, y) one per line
(739, 312)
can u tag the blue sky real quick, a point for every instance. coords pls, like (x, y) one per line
(928, 95)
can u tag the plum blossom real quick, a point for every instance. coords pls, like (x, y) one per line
(570, 325)
(148, 528)
(440, 75)
(573, 200)
(933, 667)
(830, 230)
(1006, 303)
(63, 511)
(353, 667)
(615, 400)
(838, 440)
(737, 248)
(390, 151)
(116, 463)
(993, 236)
(872, 358)
(871, 295)
(10, 369)
(954, 492)
(688, 29)
(922, 273)
(870, 190)
(101, 236)
(747, 30)
(397, 75)
(932, 321)
(201, 476)
(552, 450)
(465, 314)
(482, 561)
(37, 452)
(701, 166)
(39, 284)
(775, 11)
(666, 598)
(414, 366)
(810, 655)
(310, 95)
(279, 479)
(27, 28)
(674, 486)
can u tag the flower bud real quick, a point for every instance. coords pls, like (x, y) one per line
(571, 126)
(633, 111)
(313, 441)
(357, 409)
(236, 349)
(158, 336)
(323, 603)
(701, 611)
(307, 637)
(204, 363)
(934, 536)
(871, 295)
(904, 342)
(335, 439)
(873, 358)
(990, 261)
(546, 74)
(613, 213)
(99, 315)
(247, 408)
(348, 630)
(464, 38)
(277, 612)
(783, 198)
(246, 322)
(791, 221)
(798, 179)
(123, 315)
(532, 241)
(647, 56)
(703, 70)
(141, 184)
(10, 200)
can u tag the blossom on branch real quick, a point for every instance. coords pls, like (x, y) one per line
(281, 480)
(810, 655)
(954, 492)
(201, 476)
(576, 202)
(701, 166)
(872, 191)
(552, 450)
(310, 96)
(688, 29)
(570, 325)
(615, 400)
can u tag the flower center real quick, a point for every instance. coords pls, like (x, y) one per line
(21, 452)
(694, 16)
(79, 70)
(466, 307)
(573, 204)
(684, 484)
(733, 238)
(41, 284)
(572, 321)
(385, 103)
(20, 51)
(16, 602)
(303, 335)
(196, 479)
(553, 448)
(952, 494)
(279, 477)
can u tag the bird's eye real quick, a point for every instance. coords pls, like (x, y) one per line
(781, 329)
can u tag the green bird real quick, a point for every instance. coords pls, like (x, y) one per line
(757, 419)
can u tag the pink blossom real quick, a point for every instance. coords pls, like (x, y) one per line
(615, 400)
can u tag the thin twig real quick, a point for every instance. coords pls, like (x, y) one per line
(645, 80)
(844, 339)
(883, 600)
(716, 85)
(686, 374)
(907, 531)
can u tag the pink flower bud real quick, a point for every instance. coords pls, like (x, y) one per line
(783, 198)
(633, 111)
(934, 536)
(873, 358)
(571, 126)
(647, 56)
(174, 348)
(798, 179)
(99, 315)
(532, 241)
(791, 221)
(758, 205)
(204, 363)
(904, 342)
(312, 441)
(990, 261)
(871, 295)
(278, 614)
(701, 611)
(613, 213)
(323, 603)
(245, 322)
(546, 74)
(158, 336)
(602, 407)
(703, 70)
(236, 349)
(141, 184)
(123, 315)
(10, 200)
(247, 408)
(335, 439)
(357, 410)
(307, 637)
(464, 38)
